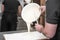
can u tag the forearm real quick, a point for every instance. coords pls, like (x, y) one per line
(46, 34)
(2, 9)
(49, 30)
(19, 10)
(42, 2)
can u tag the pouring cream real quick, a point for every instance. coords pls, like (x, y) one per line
(30, 13)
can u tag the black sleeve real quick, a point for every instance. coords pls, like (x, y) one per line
(52, 11)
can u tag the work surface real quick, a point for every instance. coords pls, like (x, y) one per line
(20, 35)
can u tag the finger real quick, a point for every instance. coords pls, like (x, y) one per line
(36, 24)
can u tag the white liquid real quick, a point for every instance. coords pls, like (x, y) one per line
(28, 27)
(28, 1)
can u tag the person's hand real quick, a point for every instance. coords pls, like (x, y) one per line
(38, 27)
(43, 9)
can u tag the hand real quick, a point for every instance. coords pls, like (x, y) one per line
(38, 27)
(43, 8)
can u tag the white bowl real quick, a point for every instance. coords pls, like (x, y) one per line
(31, 12)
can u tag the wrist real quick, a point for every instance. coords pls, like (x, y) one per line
(45, 34)
(42, 28)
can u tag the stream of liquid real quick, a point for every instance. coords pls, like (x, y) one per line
(28, 27)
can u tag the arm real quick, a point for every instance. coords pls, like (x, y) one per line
(49, 30)
(42, 2)
(19, 10)
(2, 9)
